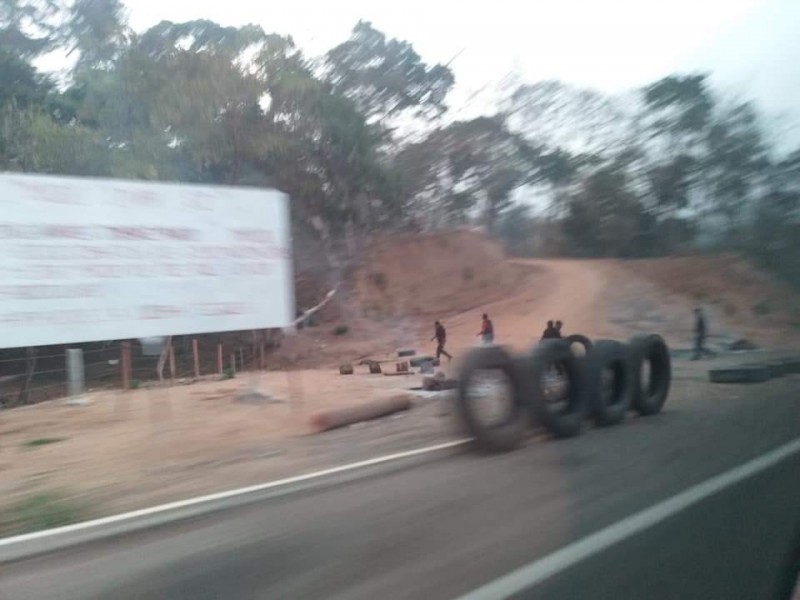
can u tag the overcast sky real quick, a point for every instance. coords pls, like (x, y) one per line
(753, 46)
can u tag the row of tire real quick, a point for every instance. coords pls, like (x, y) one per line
(603, 383)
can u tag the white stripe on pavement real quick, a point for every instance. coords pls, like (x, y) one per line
(227, 494)
(538, 571)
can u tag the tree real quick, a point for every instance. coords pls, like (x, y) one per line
(97, 30)
(386, 77)
(604, 215)
(559, 117)
(27, 27)
(465, 165)
(734, 168)
(20, 83)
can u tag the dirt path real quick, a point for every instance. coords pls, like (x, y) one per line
(570, 291)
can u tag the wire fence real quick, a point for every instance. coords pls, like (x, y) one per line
(33, 378)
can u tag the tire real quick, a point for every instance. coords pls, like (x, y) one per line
(744, 374)
(791, 366)
(577, 338)
(649, 400)
(506, 435)
(608, 354)
(568, 421)
(788, 583)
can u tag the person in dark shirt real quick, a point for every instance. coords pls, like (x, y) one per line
(559, 325)
(550, 332)
(487, 330)
(440, 335)
(700, 330)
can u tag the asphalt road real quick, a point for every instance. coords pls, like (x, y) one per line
(444, 528)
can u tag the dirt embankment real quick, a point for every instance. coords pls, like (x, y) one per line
(433, 274)
(740, 299)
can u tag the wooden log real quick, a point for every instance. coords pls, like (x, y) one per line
(343, 417)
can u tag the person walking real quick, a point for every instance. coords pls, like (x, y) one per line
(487, 330)
(700, 330)
(440, 335)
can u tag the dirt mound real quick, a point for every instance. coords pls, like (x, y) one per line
(743, 296)
(436, 273)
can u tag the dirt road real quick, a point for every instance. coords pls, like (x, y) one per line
(571, 291)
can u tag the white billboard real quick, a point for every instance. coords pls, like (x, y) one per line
(88, 260)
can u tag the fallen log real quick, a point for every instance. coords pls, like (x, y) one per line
(333, 419)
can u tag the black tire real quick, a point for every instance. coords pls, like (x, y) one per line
(743, 374)
(649, 399)
(507, 434)
(613, 355)
(568, 421)
(791, 366)
(788, 584)
(577, 338)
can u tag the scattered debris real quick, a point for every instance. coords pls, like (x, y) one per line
(742, 344)
(345, 369)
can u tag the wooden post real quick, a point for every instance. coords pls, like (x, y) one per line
(171, 361)
(262, 356)
(125, 365)
(196, 356)
(220, 366)
(241, 359)
(233, 362)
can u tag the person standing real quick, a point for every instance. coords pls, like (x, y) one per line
(559, 325)
(700, 330)
(487, 330)
(550, 332)
(440, 335)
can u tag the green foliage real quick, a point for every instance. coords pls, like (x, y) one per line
(228, 373)
(36, 443)
(385, 77)
(40, 511)
(341, 330)
(135, 384)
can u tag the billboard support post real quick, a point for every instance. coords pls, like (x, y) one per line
(76, 376)
(220, 365)
(171, 361)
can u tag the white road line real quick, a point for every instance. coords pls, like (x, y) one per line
(227, 494)
(538, 571)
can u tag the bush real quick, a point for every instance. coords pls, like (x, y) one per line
(228, 373)
(135, 384)
(39, 511)
(340, 330)
(42, 442)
